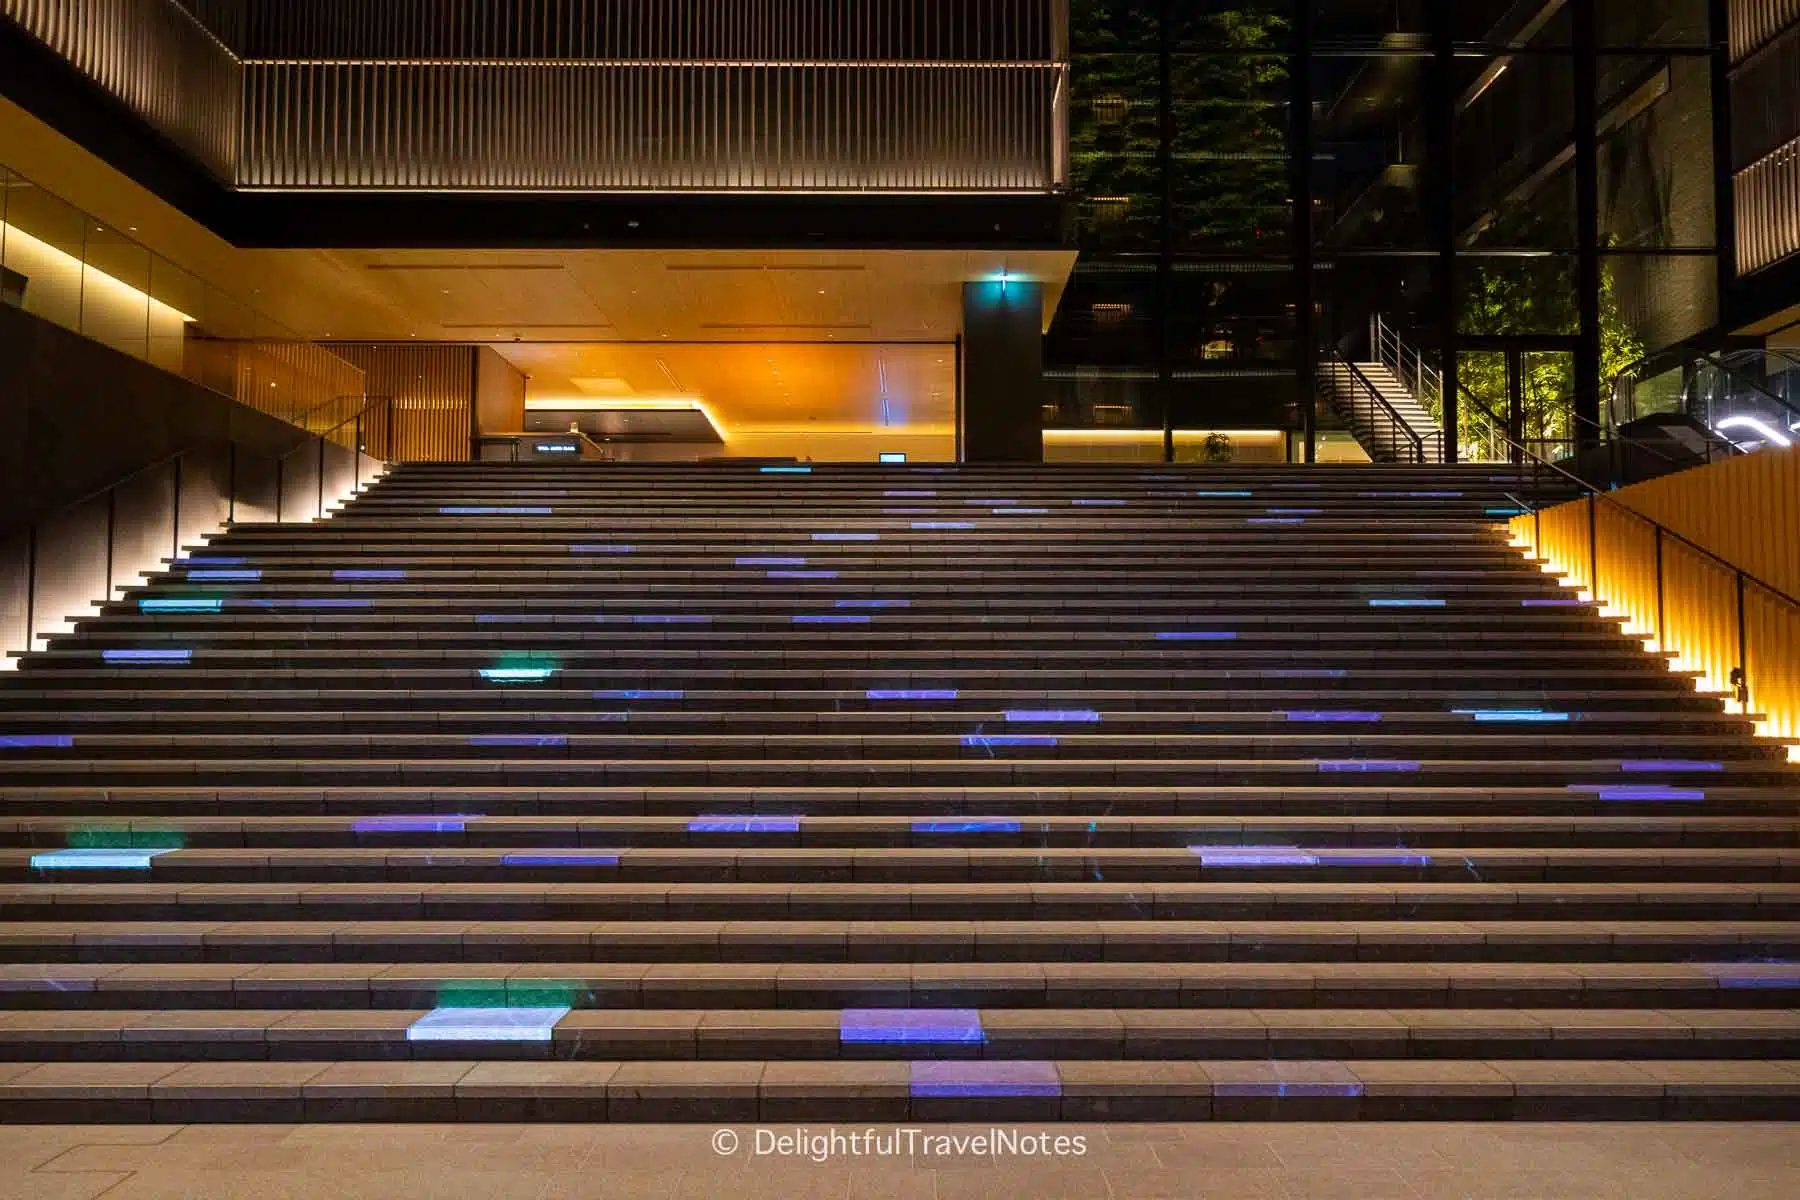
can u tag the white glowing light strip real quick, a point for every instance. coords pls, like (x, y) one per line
(1770, 435)
(632, 404)
(89, 273)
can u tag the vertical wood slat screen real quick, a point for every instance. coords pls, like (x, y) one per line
(154, 57)
(1747, 511)
(422, 400)
(1768, 209)
(1755, 23)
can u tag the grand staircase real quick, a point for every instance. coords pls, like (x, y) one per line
(837, 793)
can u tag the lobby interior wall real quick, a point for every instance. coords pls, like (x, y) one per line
(499, 393)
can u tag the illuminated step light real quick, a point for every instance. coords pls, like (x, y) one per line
(930, 525)
(874, 604)
(910, 1026)
(910, 495)
(846, 537)
(984, 1079)
(215, 561)
(180, 606)
(1366, 764)
(1296, 512)
(831, 619)
(147, 656)
(786, 470)
(487, 1024)
(232, 576)
(910, 694)
(1099, 503)
(360, 574)
(1558, 603)
(1523, 715)
(771, 562)
(985, 740)
(495, 512)
(891, 456)
(965, 827)
(640, 694)
(1759, 981)
(748, 823)
(518, 739)
(1508, 512)
(671, 619)
(1195, 635)
(562, 858)
(802, 575)
(1253, 856)
(1402, 857)
(421, 823)
(1404, 602)
(1332, 716)
(1021, 512)
(602, 549)
(1669, 764)
(1225, 495)
(517, 674)
(36, 741)
(1303, 673)
(1049, 716)
(330, 602)
(1277, 521)
(95, 860)
(1616, 792)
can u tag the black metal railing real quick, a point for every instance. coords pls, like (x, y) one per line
(1369, 413)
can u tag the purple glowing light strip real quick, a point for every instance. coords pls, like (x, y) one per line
(910, 1026)
(424, 823)
(771, 562)
(1631, 793)
(1253, 856)
(565, 858)
(1333, 716)
(996, 1078)
(1668, 764)
(1185, 635)
(943, 525)
(748, 823)
(1366, 764)
(36, 741)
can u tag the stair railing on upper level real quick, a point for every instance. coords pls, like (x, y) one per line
(1716, 617)
(1758, 387)
(1370, 409)
(1408, 363)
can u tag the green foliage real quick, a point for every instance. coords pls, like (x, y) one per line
(1218, 448)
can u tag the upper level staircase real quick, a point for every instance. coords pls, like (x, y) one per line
(912, 793)
(1383, 416)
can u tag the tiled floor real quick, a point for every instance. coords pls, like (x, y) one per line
(1690, 1161)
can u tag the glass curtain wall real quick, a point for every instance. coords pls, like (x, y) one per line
(1509, 201)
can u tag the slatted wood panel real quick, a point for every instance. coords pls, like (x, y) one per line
(1768, 209)
(423, 398)
(155, 57)
(1747, 512)
(1756, 23)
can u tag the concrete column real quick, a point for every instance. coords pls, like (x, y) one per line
(1003, 371)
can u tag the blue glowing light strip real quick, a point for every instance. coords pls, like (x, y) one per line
(1225, 495)
(563, 858)
(147, 656)
(1669, 764)
(36, 741)
(495, 512)
(1098, 503)
(1507, 512)
(1631, 793)
(1074, 715)
(985, 1078)
(1519, 716)
(1253, 856)
(943, 524)
(487, 1025)
(846, 537)
(802, 574)
(1553, 603)
(180, 606)
(222, 576)
(979, 739)
(424, 823)
(831, 619)
(1296, 512)
(1759, 981)
(1366, 764)
(1021, 512)
(909, 495)
(965, 827)
(94, 860)
(517, 674)
(518, 739)
(771, 562)
(1304, 673)
(786, 470)
(910, 694)
(910, 1026)
(1332, 716)
(1405, 603)
(1277, 521)
(874, 604)
(213, 560)
(368, 574)
(640, 694)
(601, 549)
(1185, 635)
(752, 823)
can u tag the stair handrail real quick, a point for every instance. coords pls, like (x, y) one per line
(1683, 354)
(1394, 419)
(1595, 497)
(1407, 362)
